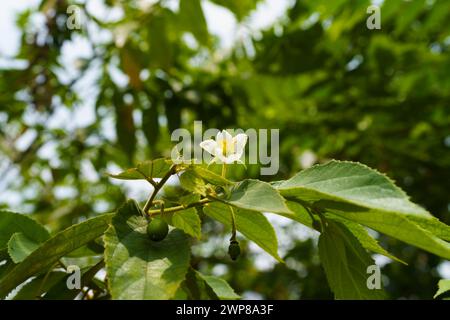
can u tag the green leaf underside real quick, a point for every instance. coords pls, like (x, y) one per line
(444, 286)
(53, 249)
(211, 177)
(257, 196)
(33, 289)
(363, 195)
(194, 287)
(148, 169)
(301, 215)
(364, 238)
(253, 225)
(60, 291)
(298, 213)
(191, 181)
(11, 223)
(220, 287)
(186, 220)
(20, 247)
(139, 268)
(345, 263)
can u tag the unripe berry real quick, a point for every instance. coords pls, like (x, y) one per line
(157, 229)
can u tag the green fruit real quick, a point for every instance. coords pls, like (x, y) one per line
(234, 250)
(157, 229)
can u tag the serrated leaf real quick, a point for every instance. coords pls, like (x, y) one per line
(137, 267)
(253, 225)
(257, 196)
(53, 249)
(189, 199)
(363, 195)
(11, 223)
(345, 263)
(220, 287)
(20, 247)
(191, 181)
(151, 169)
(444, 286)
(364, 238)
(186, 220)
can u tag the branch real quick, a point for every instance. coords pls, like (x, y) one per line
(158, 187)
(179, 208)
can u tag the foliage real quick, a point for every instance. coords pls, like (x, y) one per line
(334, 88)
(139, 268)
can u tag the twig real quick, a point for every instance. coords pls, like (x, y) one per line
(179, 208)
(158, 187)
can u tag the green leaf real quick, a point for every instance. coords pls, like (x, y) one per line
(189, 199)
(53, 249)
(33, 289)
(220, 287)
(125, 128)
(194, 288)
(192, 182)
(211, 177)
(150, 125)
(193, 19)
(60, 290)
(137, 267)
(20, 247)
(11, 223)
(345, 263)
(444, 286)
(364, 238)
(257, 196)
(241, 8)
(253, 225)
(298, 213)
(150, 169)
(161, 53)
(186, 220)
(363, 195)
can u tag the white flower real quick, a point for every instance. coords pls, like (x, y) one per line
(226, 148)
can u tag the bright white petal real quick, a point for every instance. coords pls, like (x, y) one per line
(227, 136)
(220, 136)
(241, 141)
(222, 158)
(210, 146)
(232, 158)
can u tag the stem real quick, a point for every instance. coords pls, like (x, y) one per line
(224, 170)
(41, 286)
(233, 225)
(150, 180)
(179, 208)
(158, 187)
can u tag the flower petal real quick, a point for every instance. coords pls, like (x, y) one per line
(210, 146)
(241, 141)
